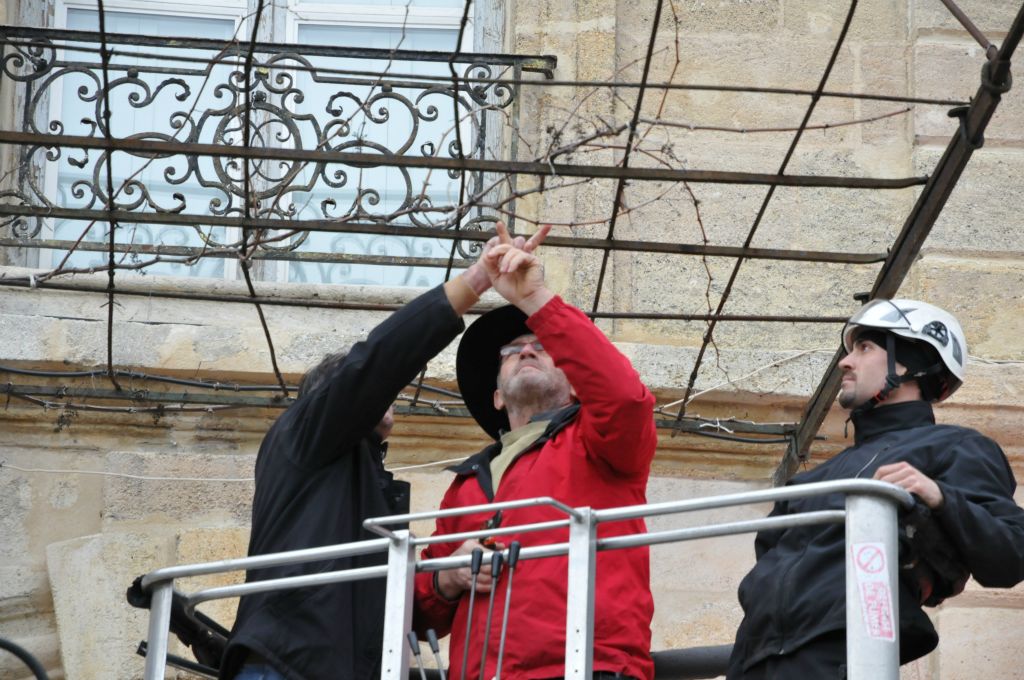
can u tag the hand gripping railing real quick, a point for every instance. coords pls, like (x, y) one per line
(872, 615)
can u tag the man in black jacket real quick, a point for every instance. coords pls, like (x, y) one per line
(901, 355)
(319, 474)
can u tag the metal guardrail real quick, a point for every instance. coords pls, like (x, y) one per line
(870, 516)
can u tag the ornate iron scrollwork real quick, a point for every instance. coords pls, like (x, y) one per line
(295, 103)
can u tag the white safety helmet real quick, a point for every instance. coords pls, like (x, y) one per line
(920, 322)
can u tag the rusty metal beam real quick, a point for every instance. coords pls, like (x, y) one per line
(339, 226)
(240, 48)
(142, 400)
(199, 296)
(163, 149)
(995, 81)
(531, 63)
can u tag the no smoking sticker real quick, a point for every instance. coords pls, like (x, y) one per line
(870, 557)
(869, 566)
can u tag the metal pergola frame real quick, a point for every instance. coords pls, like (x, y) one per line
(24, 50)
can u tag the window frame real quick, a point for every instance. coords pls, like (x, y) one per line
(365, 15)
(276, 29)
(233, 10)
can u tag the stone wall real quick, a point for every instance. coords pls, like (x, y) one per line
(74, 529)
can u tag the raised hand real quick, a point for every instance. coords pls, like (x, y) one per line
(515, 272)
(476, 275)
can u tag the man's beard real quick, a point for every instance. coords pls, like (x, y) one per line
(535, 391)
(847, 398)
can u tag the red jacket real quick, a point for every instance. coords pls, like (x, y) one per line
(599, 455)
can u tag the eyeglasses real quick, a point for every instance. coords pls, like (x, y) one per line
(517, 347)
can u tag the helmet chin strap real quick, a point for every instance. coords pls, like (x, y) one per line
(892, 379)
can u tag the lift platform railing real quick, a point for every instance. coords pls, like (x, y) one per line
(870, 516)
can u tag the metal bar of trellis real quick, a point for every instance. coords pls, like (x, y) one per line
(542, 64)
(105, 123)
(723, 299)
(355, 226)
(620, 186)
(383, 307)
(995, 81)
(239, 48)
(231, 253)
(965, 21)
(166, 148)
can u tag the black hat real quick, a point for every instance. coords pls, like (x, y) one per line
(477, 364)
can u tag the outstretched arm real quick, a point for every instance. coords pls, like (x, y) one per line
(354, 398)
(616, 408)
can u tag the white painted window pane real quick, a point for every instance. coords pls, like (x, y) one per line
(458, 4)
(148, 102)
(393, 123)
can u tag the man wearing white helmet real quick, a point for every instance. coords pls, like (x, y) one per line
(901, 356)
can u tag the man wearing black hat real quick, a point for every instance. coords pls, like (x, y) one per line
(572, 421)
(901, 355)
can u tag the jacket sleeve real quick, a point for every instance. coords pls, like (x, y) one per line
(979, 513)
(616, 409)
(347, 405)
(430, 610)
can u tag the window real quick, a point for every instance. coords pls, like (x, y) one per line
(146, 101)
(300, 101)
(398, 120)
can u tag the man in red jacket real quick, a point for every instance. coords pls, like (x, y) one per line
(572, 421)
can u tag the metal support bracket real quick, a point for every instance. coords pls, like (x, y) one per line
(398, 606)
(961, 112)
(579, 609)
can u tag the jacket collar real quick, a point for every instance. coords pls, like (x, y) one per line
(559, 419)
(888, 417)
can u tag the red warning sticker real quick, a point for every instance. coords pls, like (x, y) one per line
(869, 562)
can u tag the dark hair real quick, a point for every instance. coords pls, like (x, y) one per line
(316, 375)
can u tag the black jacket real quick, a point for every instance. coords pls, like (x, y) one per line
(319, 474)
(797, 589)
